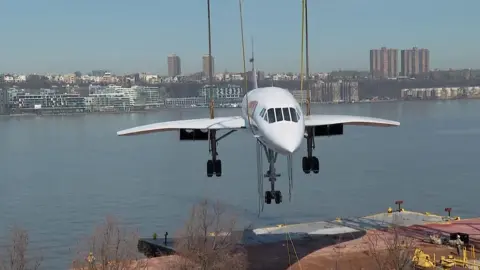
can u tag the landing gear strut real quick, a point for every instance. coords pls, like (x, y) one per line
(214, 165)
(310, 163)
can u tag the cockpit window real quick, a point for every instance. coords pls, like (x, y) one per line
(278, 112)
(286, 114)
(294, 115)
(271, 115)
(262, 112)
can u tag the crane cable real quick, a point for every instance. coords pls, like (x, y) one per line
(287, 233)
(259, 150)
(240, 5)
(210, 67)
(307, 64)
(302, 48)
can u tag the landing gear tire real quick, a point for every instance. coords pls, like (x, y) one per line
(268, 197)
(278, 197)
(306, 165)
(310, 165)
(218, 168)
(315, 165)
(209, 168)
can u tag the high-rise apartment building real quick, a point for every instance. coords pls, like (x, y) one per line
(174, 65)
(414, 61)
(206, 65)
(384, 63)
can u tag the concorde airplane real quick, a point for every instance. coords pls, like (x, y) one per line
(275, 120)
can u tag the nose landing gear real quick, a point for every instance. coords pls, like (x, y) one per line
(275, 195)
(271, 174)
(272, 194)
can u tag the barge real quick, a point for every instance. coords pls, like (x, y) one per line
(325, 233)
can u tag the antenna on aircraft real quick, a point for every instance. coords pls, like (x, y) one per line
(254, 71)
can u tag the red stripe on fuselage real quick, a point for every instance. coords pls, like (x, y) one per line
(252, 105)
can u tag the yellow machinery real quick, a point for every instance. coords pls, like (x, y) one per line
(422, 260)
(451, 261)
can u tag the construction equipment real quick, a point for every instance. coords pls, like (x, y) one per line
(422, 260)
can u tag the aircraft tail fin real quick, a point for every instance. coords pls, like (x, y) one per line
(254, 71)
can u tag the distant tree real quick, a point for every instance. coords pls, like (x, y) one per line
(15, 255)
(391, 249)
(209, 240)
(109, 248)
(384, 249)
(78, 74)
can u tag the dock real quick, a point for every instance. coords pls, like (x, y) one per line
(154, 247)
(316, 235)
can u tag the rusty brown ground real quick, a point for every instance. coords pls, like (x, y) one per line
(330, 254)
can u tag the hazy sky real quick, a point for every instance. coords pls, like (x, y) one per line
(125, 36)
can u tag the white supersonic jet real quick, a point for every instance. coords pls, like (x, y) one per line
(276, 121)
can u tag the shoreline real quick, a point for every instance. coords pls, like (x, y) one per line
(183, 108)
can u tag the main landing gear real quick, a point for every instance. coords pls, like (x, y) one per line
(310, 163)
(214, 165)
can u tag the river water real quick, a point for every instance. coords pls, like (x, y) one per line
(60, 176)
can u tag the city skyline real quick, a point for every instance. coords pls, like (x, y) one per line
(95, 35)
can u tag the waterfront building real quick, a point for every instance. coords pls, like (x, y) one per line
(229, 93)
(53, 103)
(108, 101)
(184, 102)
(349, 91)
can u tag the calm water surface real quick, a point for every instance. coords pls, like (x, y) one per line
(60, 176)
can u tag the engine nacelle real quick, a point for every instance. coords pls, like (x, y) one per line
(193, 135)
(328, 130)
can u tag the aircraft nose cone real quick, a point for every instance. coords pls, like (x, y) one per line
(292, 143)
(289, 139)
